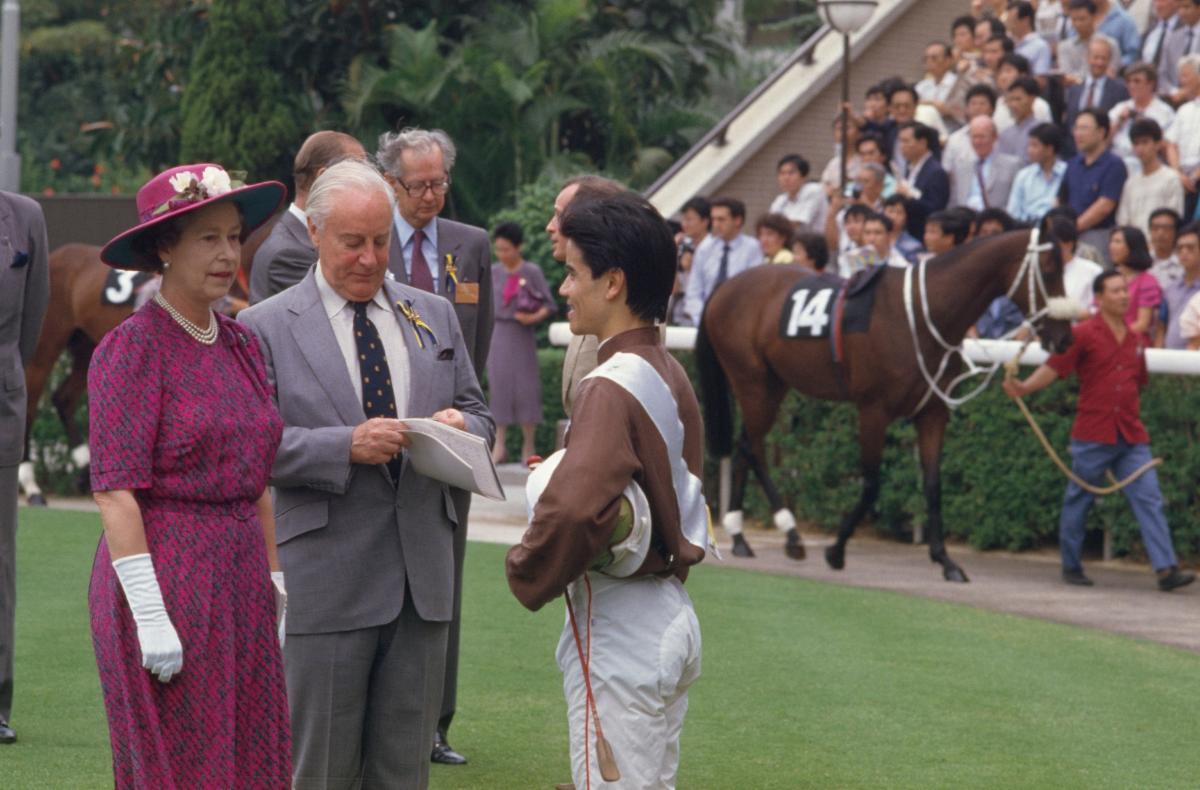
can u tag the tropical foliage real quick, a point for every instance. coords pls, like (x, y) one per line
(527, 86)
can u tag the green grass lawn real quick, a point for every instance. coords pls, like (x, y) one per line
(804, 685)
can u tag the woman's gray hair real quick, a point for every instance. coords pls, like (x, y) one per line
(345, 176)
(420, 141)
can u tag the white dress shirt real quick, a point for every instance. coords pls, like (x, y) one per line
(1185, 133)
(744, 252)
(380, 313)
(429, 247)
(1157, 110)
(930, 89)
(298, 213)
(808, 207)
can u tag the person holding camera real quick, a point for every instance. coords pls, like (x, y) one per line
(522, 300)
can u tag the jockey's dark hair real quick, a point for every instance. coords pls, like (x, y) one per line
(625, 232)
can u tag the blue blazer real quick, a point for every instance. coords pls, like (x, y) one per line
(934, 184)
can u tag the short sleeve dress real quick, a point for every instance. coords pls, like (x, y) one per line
(192, 430)
(514, 384)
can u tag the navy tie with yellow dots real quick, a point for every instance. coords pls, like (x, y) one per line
(378, 397)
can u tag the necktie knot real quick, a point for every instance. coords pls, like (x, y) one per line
(418, 237)
(360, 309)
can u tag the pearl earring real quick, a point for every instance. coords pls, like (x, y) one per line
(166, 265)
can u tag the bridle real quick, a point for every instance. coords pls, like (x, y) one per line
(1028, 275)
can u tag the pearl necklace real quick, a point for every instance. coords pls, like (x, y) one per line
(205, 336)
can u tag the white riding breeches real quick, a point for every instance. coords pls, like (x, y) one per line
(645, 653)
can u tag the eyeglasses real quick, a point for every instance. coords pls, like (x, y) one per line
(418, 189)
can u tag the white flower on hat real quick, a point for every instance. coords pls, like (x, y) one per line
(215, 181)
(182, 182)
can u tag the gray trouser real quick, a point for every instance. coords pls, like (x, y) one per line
(365, 703)
(462, 509)
(8, 583)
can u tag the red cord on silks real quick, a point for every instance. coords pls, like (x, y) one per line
(604, 756)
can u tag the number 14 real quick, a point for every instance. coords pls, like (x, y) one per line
(809, 313)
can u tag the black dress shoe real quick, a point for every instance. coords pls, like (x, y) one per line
(443, 754)
(1172, 577)
(6, 733)
(1077, 578)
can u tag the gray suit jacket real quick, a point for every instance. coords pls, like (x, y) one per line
(283, 259)
(473, 257)
(1004, 171)
(348, 540)
(24, 294)
(1174, 48)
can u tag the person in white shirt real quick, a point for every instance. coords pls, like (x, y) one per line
(1183, 138)
(938, 85)
(802, 201)
(1078, 273)
(1156, 186)
(726, 253)
(1164, 228)
(1142, 80)
(877, 242)
(1027, 43)
(1014, 70)
(1051, 21)
(831, 176)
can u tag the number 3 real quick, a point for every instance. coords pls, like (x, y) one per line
(809, 313)
(124, 289)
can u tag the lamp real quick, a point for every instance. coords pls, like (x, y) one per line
(846, 17)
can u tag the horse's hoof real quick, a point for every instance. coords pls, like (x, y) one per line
(794, 547)
(37, 500)
(741, 548)
(835, 557)
(953, 573)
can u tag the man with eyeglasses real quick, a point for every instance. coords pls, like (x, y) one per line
(453, 260)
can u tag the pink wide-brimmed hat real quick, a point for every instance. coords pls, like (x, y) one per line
(186, 188)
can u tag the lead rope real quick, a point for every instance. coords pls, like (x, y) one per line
(1010, 371)
(604, 755)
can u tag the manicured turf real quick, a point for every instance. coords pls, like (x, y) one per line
(805, 685)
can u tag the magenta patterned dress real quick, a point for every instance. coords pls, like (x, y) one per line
(193, 431)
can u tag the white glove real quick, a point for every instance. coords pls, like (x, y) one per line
(162, 652)
(280, 604)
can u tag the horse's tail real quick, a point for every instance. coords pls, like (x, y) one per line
(714, 392)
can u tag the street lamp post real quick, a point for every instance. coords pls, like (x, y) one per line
(846, 17)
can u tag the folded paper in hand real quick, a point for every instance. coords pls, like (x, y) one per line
(455, 457)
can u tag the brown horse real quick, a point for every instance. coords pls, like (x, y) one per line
(739, 346)
(77, 318)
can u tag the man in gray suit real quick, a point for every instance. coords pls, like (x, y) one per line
(287, 253)
(366, 543)
(24, 293)
(453, 260)
(985, 179)
(580, 358)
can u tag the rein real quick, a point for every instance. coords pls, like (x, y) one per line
(1030, 273)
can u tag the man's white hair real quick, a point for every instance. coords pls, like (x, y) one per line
(350, 175)
(420, 141)
(1106, 42)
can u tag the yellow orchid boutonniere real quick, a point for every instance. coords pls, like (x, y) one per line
(451, 285)
(417, 322)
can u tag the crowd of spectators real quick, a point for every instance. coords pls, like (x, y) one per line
(1084, 110)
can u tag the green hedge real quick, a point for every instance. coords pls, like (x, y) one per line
(1000, 491)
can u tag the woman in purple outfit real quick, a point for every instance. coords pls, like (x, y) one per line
(522, 300)
(185, 587)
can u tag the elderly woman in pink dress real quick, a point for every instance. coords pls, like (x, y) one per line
(186, 588)
(522, 301)
(1130, 254)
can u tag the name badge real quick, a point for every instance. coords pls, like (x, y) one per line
(466, 293)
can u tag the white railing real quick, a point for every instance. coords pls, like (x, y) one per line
(1161, 361)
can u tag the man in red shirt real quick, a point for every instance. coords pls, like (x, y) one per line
(1108, 432)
